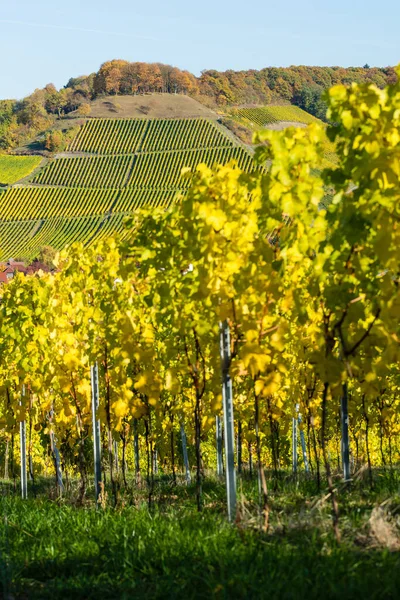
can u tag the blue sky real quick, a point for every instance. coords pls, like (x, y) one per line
(44, 41)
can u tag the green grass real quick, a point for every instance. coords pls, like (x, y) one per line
(14, 168)
(51, 549)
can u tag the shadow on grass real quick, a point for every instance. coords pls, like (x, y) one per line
(194, 556)
(54, 550)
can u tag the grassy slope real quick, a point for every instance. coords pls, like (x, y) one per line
(55, 550)
(14, 168)
(151, 106)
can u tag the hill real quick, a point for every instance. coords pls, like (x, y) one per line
(116, 79)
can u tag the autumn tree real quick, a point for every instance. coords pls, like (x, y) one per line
(84, 109)
(54, 141)
(108, 78)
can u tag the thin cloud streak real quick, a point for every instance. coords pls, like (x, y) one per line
(81, 29)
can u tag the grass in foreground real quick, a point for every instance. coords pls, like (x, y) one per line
(14, 168)
(55, 550)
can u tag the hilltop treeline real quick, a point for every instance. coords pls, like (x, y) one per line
(299, 85)
(302, 86)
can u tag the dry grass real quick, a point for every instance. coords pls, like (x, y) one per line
(152, 106)
(55, 548)
(383, 528)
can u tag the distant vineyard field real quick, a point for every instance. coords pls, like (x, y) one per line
(329, 154)
(156, 170)
(47, 202)
(31, 203)
(25, 239)
(152, 171)
(35, 217)
(131, 163)
(92, 171)
(130, 199)
(127, 136)
(14, 168)
(183, 134)
(267, 115)
(273, 116)
(109, 136)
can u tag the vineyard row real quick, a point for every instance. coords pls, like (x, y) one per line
(25, 239)
(34, 217)
(147, 170)
(127, 136)
(267, 115)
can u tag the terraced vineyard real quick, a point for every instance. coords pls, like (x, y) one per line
(109, 136)
(48, 202)
(130, 164)
(122, 136)
(91, 171)
(26, 238)
(149, 170)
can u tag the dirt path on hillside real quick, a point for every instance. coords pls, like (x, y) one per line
(76, 155)
(284, 125)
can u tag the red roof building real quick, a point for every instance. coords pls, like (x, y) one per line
(8, 269)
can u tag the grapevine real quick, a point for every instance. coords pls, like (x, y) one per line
(311, 300)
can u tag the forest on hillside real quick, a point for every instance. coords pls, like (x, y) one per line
(299, 85)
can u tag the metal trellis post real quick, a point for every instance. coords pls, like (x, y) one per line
(57, 461)
(229, 434)
(294, 445)
(218, 435)
(94, 377)
(22, 437)
(303, 445)
(185, 454)
(344, 412)
(136, 449)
